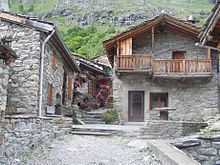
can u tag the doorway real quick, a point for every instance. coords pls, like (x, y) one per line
(178, 56)
(136, 106)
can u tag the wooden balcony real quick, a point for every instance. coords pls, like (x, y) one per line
(134, 63)
(182, 68)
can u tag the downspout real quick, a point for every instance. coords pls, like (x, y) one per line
(205, 46)
(42, 71)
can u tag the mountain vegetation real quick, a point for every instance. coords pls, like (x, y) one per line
(84, 24)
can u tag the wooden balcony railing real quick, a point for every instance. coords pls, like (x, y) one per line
(197, 66)
(134, 62)
(164, 67)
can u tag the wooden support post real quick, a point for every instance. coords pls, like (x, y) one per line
(117, 60)
(153, 38)
(209, 53)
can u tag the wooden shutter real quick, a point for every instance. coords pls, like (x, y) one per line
(70, 87)
(126, 47)
(50, 95)
(53, 60)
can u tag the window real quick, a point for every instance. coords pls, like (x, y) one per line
(53, 60)
(50, 95)
(179, 55)
(158, 100)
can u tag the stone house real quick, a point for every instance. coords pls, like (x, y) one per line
(94, 78)
(41, 78)
(160, 73)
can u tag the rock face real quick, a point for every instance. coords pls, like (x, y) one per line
(205, 150)
(4, 5)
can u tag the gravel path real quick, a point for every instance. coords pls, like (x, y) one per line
(91, 150)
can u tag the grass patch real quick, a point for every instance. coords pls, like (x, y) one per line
(111, 116)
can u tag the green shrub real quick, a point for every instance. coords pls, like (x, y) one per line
(111, 116)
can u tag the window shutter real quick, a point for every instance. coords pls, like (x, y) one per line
(50, 95)
(70, 87)
(53, 60)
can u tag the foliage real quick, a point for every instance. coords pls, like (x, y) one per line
(111, 116)
(87, 41)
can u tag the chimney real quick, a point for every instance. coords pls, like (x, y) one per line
(191, 19)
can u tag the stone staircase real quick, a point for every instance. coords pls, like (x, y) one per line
(162, 129)
(91, 117)
(94, 130)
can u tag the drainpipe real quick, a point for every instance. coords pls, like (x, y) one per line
(42, 71)
(204, 46)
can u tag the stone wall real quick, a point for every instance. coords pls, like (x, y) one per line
(193, 100)
(161, 129)
(20, 135)
(54, 75)
(165, 43)
(4, 77)
(164, 153)
(24, 85)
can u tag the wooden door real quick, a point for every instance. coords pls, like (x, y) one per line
(136, 106)
(179, 57)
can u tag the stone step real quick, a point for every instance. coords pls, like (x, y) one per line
(93, 122)
(92, 117)
(95, 128)
(95, 113)
(91, 133)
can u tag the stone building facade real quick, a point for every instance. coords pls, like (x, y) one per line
(27, 41)
(178, 92)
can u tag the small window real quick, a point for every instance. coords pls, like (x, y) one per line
(158, 100)
(179, 55)
(53, 60)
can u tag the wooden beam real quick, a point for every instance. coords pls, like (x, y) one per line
(209, 53)
(153, 38)
(118, 48)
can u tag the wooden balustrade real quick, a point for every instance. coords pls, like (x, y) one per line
(197, 66)
(134, 62)
(163, 67)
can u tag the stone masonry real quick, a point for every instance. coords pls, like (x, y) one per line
(24, 84)
(4, 76)
(19, 136)
(55, 75)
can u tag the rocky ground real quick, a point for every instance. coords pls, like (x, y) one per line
(91, 150)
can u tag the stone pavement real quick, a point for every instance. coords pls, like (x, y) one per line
(91, 150)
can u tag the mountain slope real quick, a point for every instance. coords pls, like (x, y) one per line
(86, 23)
